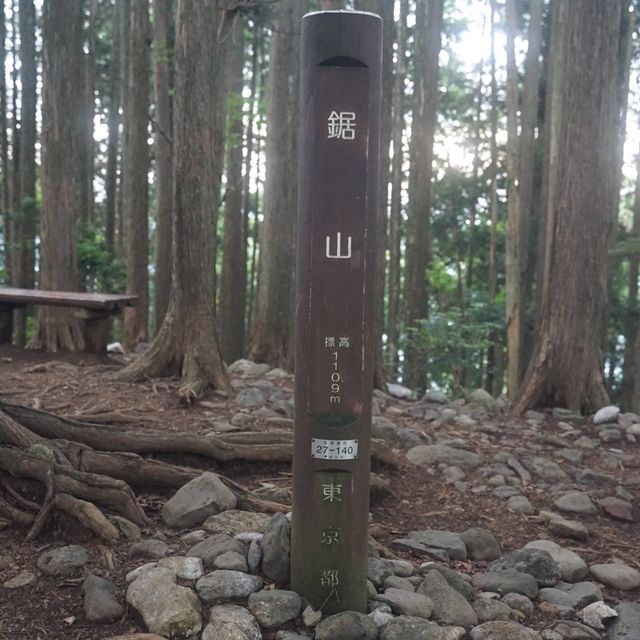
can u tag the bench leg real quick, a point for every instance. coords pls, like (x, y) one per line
(96, 334)
(6, 324)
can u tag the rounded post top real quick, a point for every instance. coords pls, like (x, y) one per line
(342, 12)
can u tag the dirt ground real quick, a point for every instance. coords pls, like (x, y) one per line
(80, 384)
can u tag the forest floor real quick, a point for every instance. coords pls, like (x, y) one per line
(418, 498)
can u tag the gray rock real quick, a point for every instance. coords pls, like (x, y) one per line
(5, 562)
(481, 544)
(409, 628)
(232, 560)
(401, 568)
(254, 556)
(572, 567)
(62, 561)
(23, 579)
(565, 528)
(483, 398)
(488, 610)
(231, 622)
(428, 455)
(407, 603)
(290, 635)
(606, 415)
(347, 625)
(520, 504)
(378, 570)
(451, 543)
(546, 469)
(619, 509)
(233, 522)
(618, 576)
(576, 502)
(183, 568)
(398, 391)
(593, 614)
(138, 571)
(589, 476)
(275, 608)
(396, 582)
(151, 549)
(501, 630)
(585, 442)
(213, 546)
(200, 498)
(435, 396)
(251, 397)
(535, 562)
(166, 608)
(506, 491)
(454, 579)
(248, 368)
(395, 436)
(129, 530)
(519, 603)
(507, 582)
(219, 587)
(627, 624)
(276, 549)
(572, 630)
(574, 456)
(449, 606)
(571, 596)
(100, 604)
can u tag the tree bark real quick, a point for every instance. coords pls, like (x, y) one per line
(233, 279)
(187, 340)
(27, 213)
(397, 179)
(125, 28)
(565, 369)
(136, 170)
(630, 390)
(115, 74)
(163, 156)
(85, 122)
(4, 150)
(62, 86)
(418, 242)
(272, 323)
(513, 257)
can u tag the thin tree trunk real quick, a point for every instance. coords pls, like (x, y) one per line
(630, 391)
(125, 28)
(418, 252)
(566, 367)
(163, 154)
(111, 180)
(136, 169)
(397, 179)
(513, 292)
(4, 150)
(85, 122)
(28, 213)
(233, 280)
(272, 323)
(62, 87)
(527, 174)
(495, 342)
(187, 341)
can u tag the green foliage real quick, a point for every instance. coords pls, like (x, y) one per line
(452, 344)
(99, 268)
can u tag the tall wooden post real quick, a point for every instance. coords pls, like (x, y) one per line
(339, 123)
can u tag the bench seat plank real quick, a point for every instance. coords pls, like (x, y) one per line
(16, 297)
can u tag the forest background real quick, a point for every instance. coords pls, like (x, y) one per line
(145, 142)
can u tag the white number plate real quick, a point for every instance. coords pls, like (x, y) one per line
(334, 449)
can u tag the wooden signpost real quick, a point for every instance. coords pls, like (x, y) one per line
(338, 176)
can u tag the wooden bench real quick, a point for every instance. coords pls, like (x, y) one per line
(94, 309)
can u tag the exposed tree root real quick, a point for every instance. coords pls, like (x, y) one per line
(84, 468)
